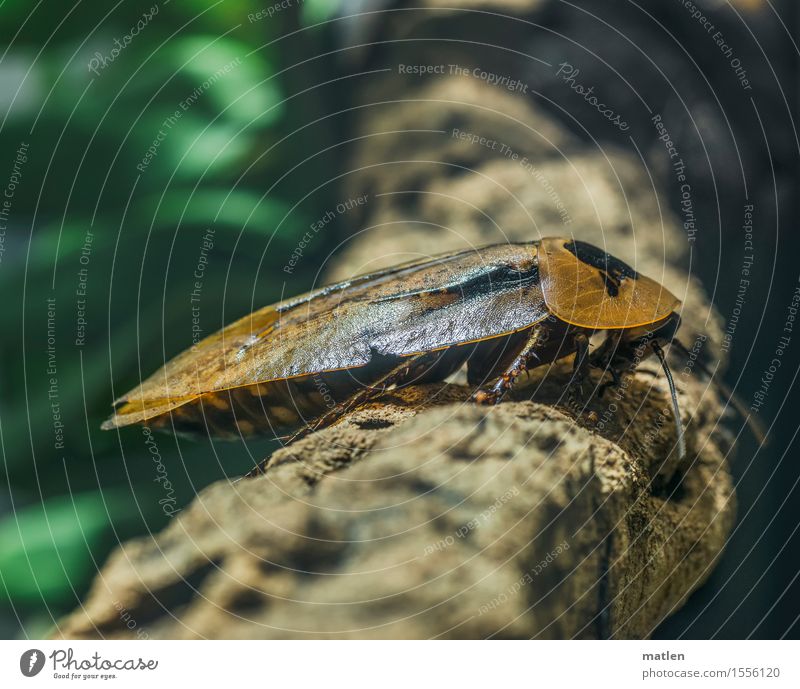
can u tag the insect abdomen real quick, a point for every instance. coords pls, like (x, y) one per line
(283, 406)
(274, 408)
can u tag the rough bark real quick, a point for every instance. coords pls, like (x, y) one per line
(422, 515)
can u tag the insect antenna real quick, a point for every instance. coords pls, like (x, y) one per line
(676, 412)
(753, 424)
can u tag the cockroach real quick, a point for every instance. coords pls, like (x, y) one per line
(297, 366)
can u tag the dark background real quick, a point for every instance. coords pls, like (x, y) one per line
(255, 160)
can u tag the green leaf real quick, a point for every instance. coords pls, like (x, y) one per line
(239, 209)
(231, 77)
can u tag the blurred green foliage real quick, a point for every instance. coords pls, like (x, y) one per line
(231, 112)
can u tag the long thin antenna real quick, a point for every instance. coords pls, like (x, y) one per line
(675, 409)
(755, 427)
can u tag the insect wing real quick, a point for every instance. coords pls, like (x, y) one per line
(422, 306)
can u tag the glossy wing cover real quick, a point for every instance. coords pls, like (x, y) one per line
(423, 306)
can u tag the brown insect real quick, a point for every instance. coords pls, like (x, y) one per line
(502, 310)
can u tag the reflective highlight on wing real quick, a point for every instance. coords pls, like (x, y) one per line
(421, 306)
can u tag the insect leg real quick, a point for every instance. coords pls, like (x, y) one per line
(361, 396)
(616, 379)
(494, 393)
(604, 358)
(580, 369)
(581, 366)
